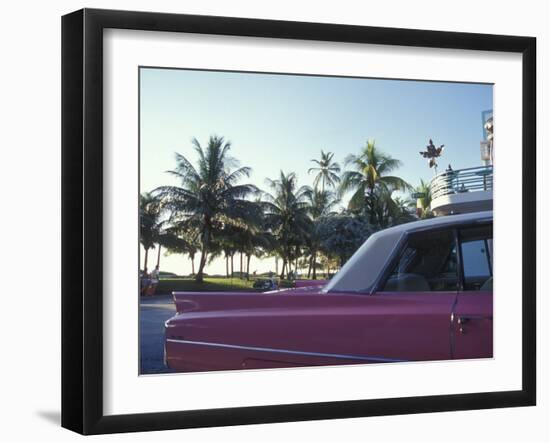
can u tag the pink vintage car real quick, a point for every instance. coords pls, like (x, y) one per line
(417, 291)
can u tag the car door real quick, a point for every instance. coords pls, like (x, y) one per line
(418, 295)
(473, 313)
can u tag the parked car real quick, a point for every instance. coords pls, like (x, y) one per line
(417, 291)
(265, 284)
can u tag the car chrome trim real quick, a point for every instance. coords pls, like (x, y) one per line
(452, 338)
(459, 264)
(288, 351)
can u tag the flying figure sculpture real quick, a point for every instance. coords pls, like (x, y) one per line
(432, 153)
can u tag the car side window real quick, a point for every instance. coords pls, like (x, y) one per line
(428, 263)
(476, 246)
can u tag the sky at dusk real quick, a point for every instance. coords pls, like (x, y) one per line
(280, 122)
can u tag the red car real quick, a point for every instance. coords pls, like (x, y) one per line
(417, 291)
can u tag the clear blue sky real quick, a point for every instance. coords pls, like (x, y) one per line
(283, 121)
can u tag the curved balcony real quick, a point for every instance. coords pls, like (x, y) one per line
(462, 190)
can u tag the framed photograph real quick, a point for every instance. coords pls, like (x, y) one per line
(269, 221)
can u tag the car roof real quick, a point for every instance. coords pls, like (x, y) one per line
(362, 270)
(456, 219)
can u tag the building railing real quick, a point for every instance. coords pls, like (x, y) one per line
(462, 180)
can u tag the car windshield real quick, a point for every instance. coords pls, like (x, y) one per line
(364, 267)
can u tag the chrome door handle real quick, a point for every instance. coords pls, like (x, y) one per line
(464, 319)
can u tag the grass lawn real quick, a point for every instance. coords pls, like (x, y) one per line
(167, 285)
(212, 284)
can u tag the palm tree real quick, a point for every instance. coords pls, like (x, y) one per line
(321, 204)
(370, 182)
(399, 211)
(210, 196)
(426, 201)
(150, 224)
(254, 242)
(183, 241)
(155, 229)
(286, 212)
(229, 246)
(192, 245)
(327, 171)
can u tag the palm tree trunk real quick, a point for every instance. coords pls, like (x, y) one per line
(288, 267)
(248, 256)
(158, 257)
(192, 256)
(232, 254)
(309, 267)
(241, 268)
(283, 270)
(205, 243)
(227, 265)
(276, 265)
(199, 277)
(371, 206)
(314, 262)
(145, 260)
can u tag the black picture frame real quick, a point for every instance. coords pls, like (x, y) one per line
(82, 215)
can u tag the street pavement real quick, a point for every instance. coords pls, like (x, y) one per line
(153, 312)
